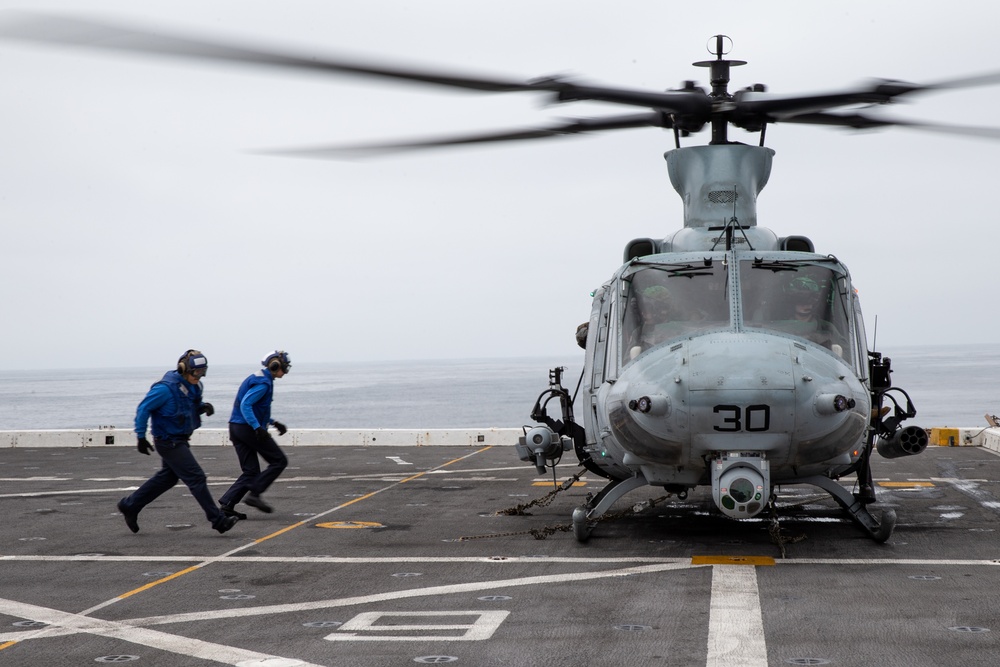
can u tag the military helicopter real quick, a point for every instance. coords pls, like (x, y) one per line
(722, 355)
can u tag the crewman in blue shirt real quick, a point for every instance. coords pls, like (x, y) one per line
(175, 406)
(248, 433)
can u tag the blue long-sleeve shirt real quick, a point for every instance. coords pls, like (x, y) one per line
(253, 395)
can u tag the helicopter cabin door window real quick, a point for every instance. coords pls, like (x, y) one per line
(808, 301)
(666, 302)
(861, 342)
(602, 320)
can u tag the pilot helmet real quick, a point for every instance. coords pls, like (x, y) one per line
(655, 293)
(803, 288)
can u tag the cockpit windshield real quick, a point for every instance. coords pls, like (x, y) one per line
(668, 301)
(803, 299)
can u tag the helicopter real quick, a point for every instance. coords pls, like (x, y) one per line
(722, 355)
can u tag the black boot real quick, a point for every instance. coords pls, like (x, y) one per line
(225, 523)
(255, 501)
(228, 510)
(131, 518)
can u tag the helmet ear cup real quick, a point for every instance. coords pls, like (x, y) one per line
(277, 361)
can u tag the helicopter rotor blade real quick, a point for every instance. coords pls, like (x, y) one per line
(570, 126)
(985, 79)
(94, 35)
(106, 36)
(689, 109)
(878, 91)
(781, 107)
(859, 121)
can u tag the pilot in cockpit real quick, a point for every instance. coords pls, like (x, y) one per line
(659, 319)
(803, 299)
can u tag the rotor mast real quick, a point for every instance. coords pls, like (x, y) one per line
(722, 101)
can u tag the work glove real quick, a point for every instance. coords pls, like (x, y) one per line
(281, 428)
(261, 432)
(144, 447)
(206, 409)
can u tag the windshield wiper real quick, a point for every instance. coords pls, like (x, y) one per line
(788, 264)
(675, 270)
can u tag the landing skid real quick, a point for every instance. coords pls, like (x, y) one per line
(878, 530)
(586, 516)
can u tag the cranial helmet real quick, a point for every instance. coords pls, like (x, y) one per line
(192, 360)
(277, 360)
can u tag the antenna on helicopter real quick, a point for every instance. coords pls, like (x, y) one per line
(733, 222)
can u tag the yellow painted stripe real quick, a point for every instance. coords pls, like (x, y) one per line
(732, 560)
(550, 484)
(350, 524)
(158, 582)
(460, 458)
(367, 496)
(280, 532)
(296, 525)
(6, 645)
(903, 485)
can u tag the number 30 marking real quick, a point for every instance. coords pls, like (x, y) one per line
(758, 418)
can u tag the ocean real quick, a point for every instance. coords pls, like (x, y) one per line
(950, 386)
(479, 393)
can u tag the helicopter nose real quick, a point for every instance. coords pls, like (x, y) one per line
(793, 404)
(731, 392)
(742, 394)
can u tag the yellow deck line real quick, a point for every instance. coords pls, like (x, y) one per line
(298, 524)
(732, 560)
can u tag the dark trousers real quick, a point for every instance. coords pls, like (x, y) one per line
(178, 464)
(248, 447)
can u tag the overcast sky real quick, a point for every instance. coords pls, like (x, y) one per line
(137, 222)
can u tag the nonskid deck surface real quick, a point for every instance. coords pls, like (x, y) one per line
(382, 556)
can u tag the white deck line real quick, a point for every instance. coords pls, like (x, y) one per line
(735, 622)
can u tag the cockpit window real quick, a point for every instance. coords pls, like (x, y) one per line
(805, 300)
(666, 302)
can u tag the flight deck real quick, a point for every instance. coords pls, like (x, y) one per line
(383, 556)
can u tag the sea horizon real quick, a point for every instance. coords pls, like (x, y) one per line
(950, 385)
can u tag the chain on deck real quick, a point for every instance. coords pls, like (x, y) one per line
(545, 531)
